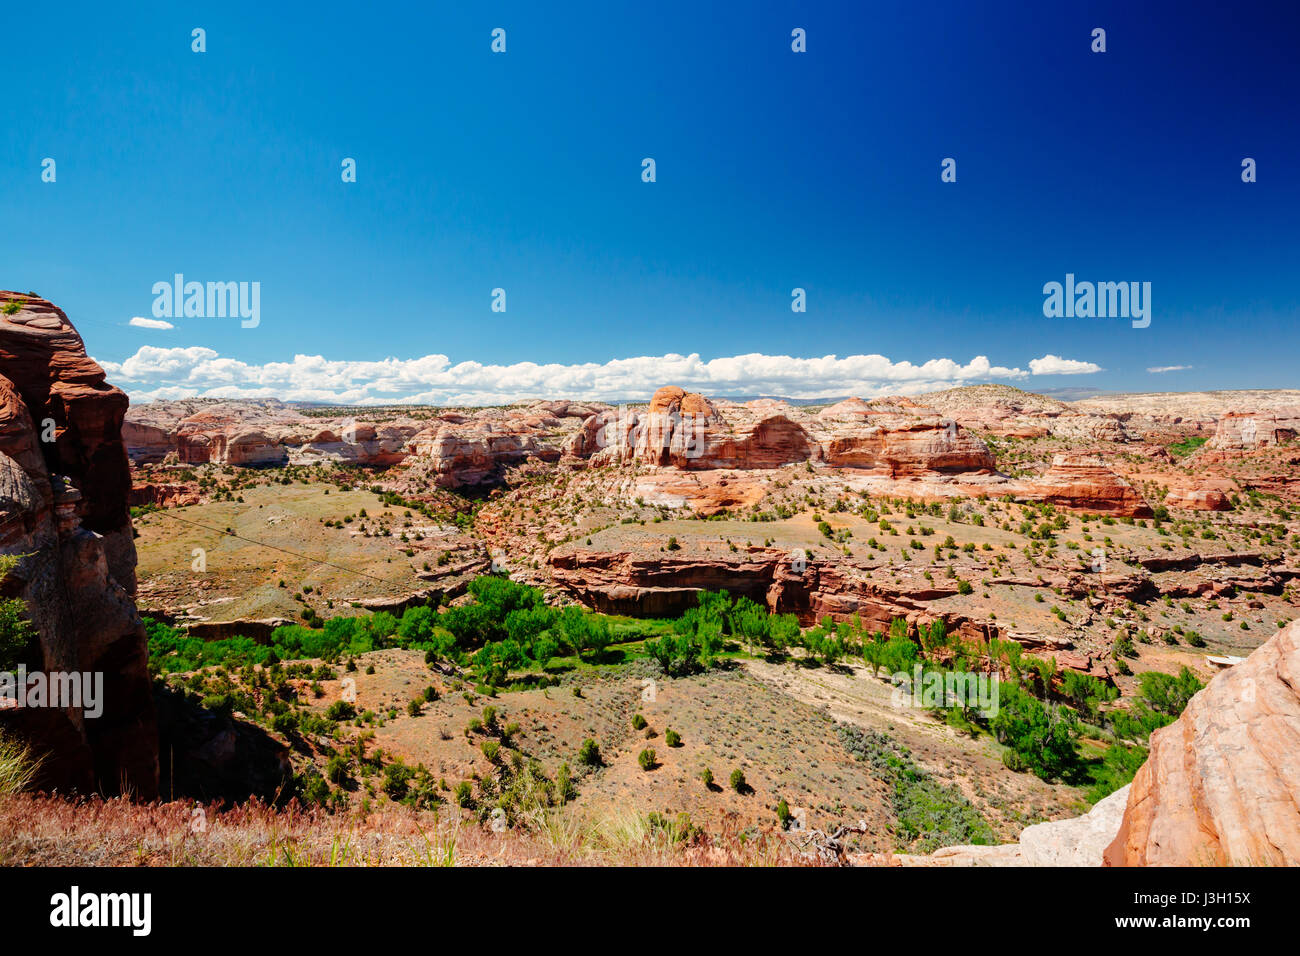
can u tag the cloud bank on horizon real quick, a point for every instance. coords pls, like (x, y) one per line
(155, 373)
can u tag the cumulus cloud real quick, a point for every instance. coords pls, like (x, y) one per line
(1168, 368)
(1055, 365)
(140, 322)
(167, 373)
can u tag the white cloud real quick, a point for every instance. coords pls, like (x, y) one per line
(165, 373)
(1168, 368)
(1055, 365)
(140, 322)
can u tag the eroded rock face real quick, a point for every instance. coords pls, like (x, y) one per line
(1085, 483)
(1250, 430)
(1222, 783)
(265, 432)
(1198, 499)
(474, 453)
(456, 449)
(903, 447)
(64, 485)
(687, 431)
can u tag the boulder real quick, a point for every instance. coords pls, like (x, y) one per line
(1222, 783)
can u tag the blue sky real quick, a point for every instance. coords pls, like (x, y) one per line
(775, 170)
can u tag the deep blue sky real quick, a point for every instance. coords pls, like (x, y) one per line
(775, 170)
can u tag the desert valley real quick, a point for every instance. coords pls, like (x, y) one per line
(688, 630)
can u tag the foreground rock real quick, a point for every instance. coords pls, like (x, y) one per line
(64, 483)
(1222, 784)
(1079, 841)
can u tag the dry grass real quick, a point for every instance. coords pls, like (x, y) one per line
(17, 765)
(38, 830)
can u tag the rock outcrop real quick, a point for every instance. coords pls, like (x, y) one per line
(1083, 482)
(1250, 430)
(64, 485)
(457, 449)
(687, 431)
(1222, 783)
(264, 432)
(1077, 841)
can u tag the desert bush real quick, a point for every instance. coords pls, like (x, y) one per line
(340, 710)
(589, 753)
(783, 814)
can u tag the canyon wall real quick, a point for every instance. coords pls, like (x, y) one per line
(64, 485)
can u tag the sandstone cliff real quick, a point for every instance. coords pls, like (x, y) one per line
(1222, 783)
(64, 484)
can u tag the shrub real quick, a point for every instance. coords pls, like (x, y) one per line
(707, 776)
(340, 710)
(646, 759)
(336, 770)
(783, 814)
(672, 738)
(397, 777)
(464, 794)
(638, 722)
(738, 780)
(589, 753)
(564, 791)
(284, 724)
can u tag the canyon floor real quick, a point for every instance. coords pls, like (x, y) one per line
(1115, 544)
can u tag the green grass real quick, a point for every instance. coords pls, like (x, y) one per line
(1180, 449)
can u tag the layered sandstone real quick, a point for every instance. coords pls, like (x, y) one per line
(1012, 413)
(457, 448)
(687, 431)
(1251, 430)
(475, 453)
(64, 485)
(1083, 482)
(1222, 784)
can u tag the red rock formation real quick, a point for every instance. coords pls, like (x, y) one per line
(1084, 483)
(1222, 783)
(689, 432)
(64, 486)
(457, 449)
(1198, 499)
(166, 494)
(476, 452)
(909, 447)
(1249, 430)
